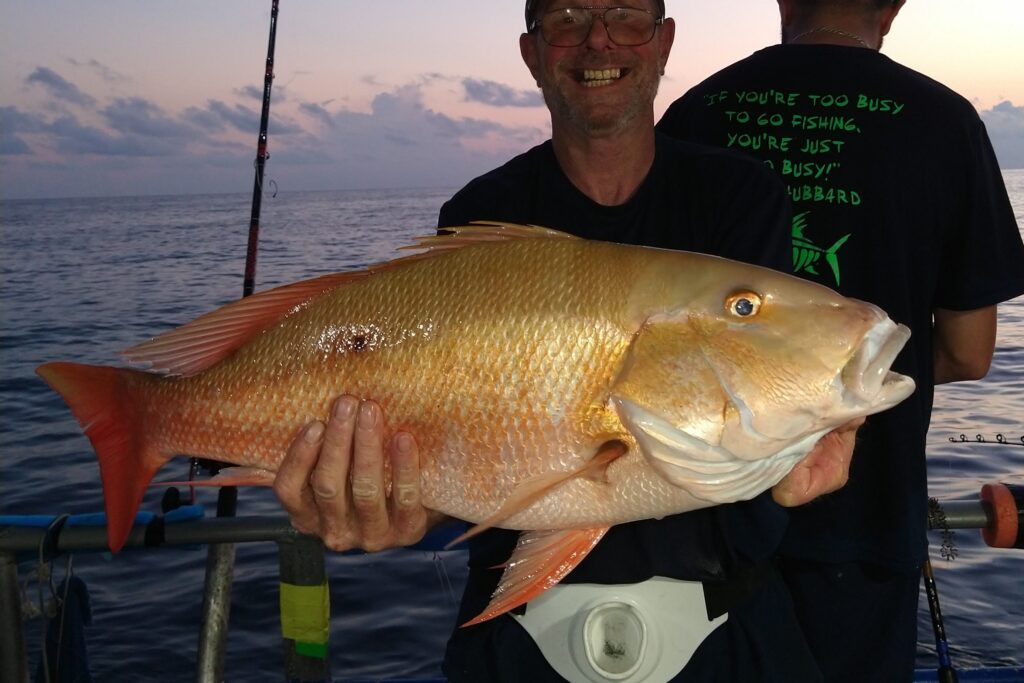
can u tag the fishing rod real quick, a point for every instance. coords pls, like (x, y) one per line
(249, 282)
(220, 558)
(1000, 516)
(947, 674)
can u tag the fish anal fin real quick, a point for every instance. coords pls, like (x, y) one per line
(541, 559)
(535, 488)
(229, 476)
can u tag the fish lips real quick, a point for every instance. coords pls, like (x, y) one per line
(867, 378)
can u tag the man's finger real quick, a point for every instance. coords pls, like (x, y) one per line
(367, 476)
(825, 469)
(291, 485)
(408, 516)
(329, 480)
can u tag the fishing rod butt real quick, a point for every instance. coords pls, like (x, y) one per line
(1004, 506)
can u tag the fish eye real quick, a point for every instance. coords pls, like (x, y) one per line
(743, 304)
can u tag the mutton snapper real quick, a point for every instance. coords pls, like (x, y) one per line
(554, 384)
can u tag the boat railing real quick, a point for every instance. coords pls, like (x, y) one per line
(302, 571)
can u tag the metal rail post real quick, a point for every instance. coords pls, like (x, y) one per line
(213, 635)
(13, 663)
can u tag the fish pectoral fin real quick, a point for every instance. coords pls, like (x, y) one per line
(230, 476)
(535, 488)
(541, 559)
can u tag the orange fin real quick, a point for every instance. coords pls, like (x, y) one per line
(210, 338)
(532, 490)
(104, 403)
(479, 232)
(229, 476)
(197, 345)
(541, 559)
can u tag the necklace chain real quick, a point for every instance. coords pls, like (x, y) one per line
(834, 31)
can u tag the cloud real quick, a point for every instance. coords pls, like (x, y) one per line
(102, 70)
(15, 124)
(500, 95)
(136, 116)
(318, 112)
(251, 91)
(59, 88)
(408, 137)
(70, 136)
(1005, 124)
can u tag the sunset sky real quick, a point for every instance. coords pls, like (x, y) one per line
(128, 97)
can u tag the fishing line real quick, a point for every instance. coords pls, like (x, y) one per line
(444, 578)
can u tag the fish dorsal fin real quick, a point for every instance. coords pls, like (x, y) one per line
(210, 338)
(197, 345)
(535, 488)
(480, 232)
(541, 559)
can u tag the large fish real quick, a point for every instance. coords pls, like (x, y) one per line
(554, 384)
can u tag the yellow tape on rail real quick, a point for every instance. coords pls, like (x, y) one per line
(306, 616)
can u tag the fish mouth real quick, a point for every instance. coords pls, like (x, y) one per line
(593, 78)
(867, 375)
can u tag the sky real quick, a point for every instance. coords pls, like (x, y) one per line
(131, 97)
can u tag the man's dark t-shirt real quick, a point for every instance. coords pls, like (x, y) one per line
(695, 199)
(897, 200)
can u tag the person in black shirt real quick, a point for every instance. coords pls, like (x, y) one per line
(605, 174)
(898, 200)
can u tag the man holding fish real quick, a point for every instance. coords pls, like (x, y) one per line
(604, 175)
(569, 397)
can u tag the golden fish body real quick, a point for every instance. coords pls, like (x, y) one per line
(514, 355)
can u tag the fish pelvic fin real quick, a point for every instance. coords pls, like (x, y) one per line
(541, 559)
(106, 406)
(536, 488)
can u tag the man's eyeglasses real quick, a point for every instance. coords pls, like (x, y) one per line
(570, 26)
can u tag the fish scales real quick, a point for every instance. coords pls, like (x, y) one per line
(554, 385)
(501, 377)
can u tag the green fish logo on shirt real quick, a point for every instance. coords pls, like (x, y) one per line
(806, 253)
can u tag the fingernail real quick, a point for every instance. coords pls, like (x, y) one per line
(367, 415)
(403, 442)
(345, 408)
(313, 432)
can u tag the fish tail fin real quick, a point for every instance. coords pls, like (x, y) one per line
(106, 402)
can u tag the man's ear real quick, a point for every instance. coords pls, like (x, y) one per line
(528, 51)
(667, 35)
(785, 12)
(890, 16)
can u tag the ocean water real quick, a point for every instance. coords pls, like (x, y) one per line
(82, 279)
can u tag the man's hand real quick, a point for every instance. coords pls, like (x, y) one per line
(825, 469)
(332, 481)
